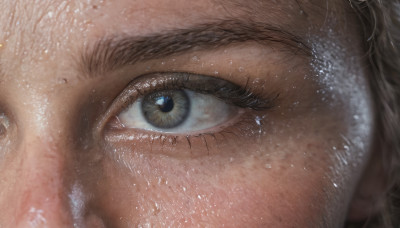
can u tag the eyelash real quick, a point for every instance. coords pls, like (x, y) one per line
(240, 96)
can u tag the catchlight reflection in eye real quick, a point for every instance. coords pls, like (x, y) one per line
(177, 111)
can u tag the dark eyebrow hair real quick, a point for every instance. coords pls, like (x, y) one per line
(110, 53)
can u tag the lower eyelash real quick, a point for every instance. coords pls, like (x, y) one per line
(202, 144)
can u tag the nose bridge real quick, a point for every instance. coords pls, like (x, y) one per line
(42, 192)
(45, 173)
(47, 191)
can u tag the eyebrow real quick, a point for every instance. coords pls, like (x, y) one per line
(110, 53)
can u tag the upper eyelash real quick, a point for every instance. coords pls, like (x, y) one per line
(245, 98)
(241, 96)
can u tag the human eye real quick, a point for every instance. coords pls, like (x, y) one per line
(187, 104)
(181, 105)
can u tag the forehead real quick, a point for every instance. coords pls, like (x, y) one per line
(55, 20)
(42, 18)
(47, 30)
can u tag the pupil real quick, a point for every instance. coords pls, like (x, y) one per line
(165, 103)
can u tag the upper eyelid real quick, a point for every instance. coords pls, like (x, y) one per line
(242, 96)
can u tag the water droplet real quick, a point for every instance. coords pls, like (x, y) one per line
(258, 120)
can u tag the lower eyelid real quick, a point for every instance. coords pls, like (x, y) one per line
(119, 127)
(242, 129)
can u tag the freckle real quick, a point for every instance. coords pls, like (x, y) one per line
(95, 7)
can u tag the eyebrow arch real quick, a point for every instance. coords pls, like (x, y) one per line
(110, 53)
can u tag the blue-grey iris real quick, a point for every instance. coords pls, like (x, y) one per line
(166, 109)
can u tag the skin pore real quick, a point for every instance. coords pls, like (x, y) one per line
(291, 156)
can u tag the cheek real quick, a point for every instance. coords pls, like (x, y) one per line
(243, 189)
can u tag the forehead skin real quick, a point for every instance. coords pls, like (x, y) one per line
(41, 48)
(44, 30)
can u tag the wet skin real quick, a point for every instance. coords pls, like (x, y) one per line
(70, 157)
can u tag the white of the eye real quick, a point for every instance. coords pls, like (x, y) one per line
(206, 112)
